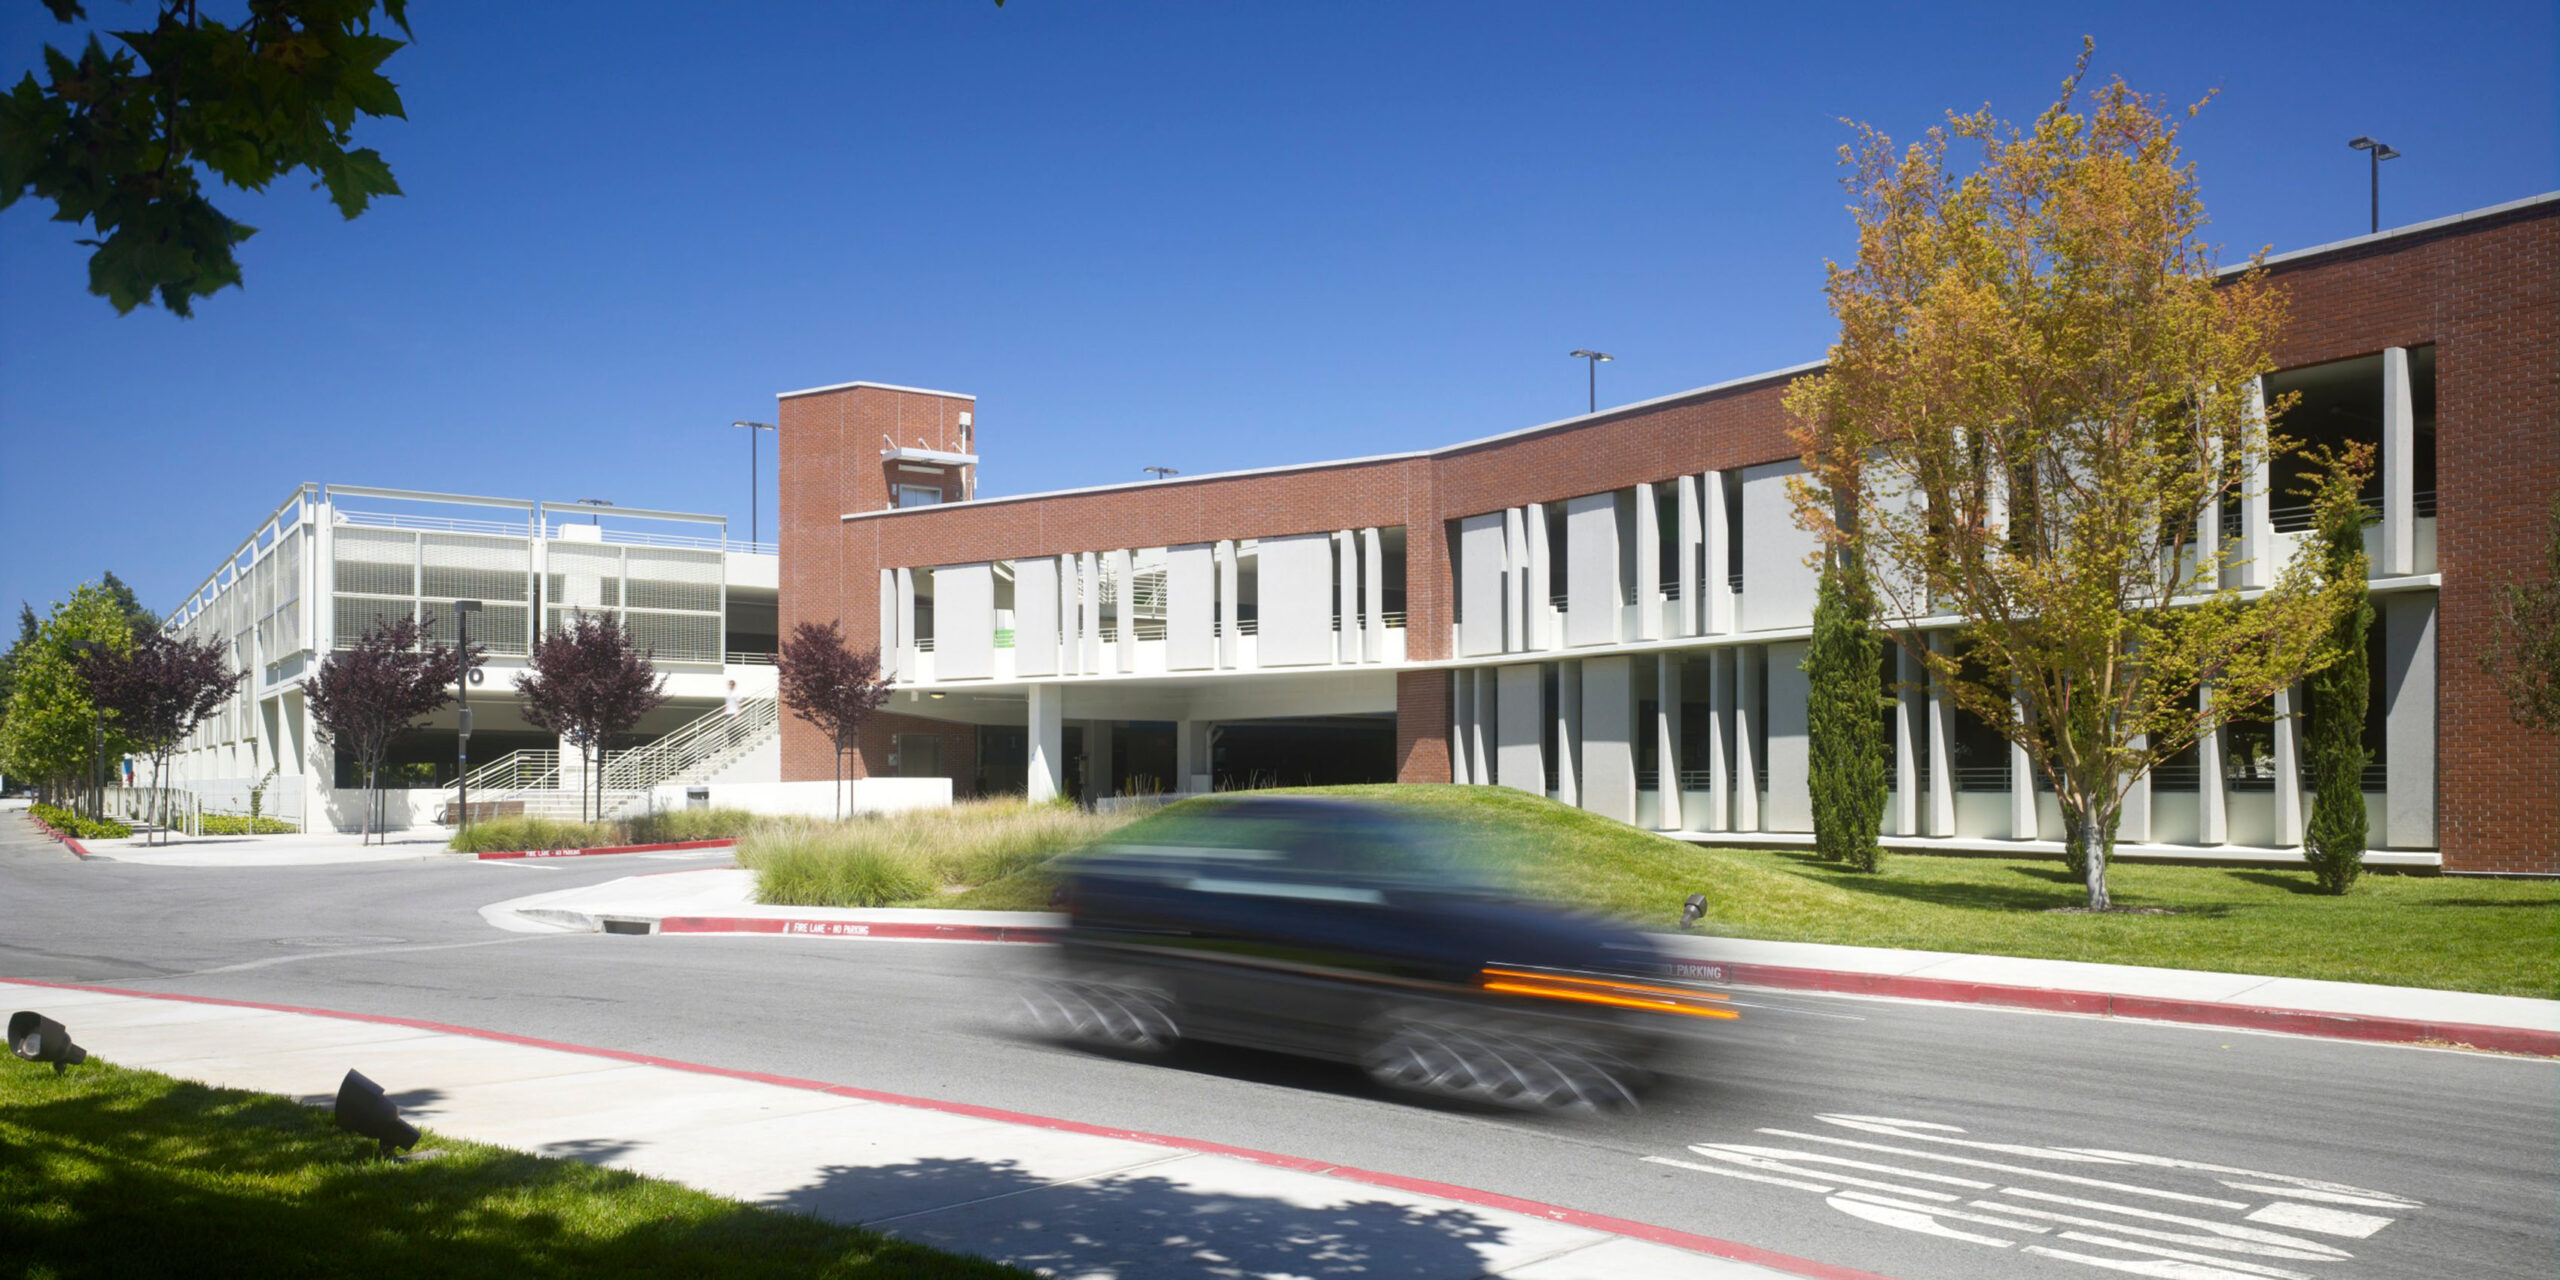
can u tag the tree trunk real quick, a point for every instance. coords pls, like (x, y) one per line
(2089, 833)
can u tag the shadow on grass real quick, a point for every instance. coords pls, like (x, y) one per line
(2300, 882)
(1974, 896)
(1258, 1222)
(113, 1173)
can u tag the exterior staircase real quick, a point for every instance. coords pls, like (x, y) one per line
(530, 782)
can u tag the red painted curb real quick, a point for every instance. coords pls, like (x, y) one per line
(1692, 1241)
(499, 854)
(899, 930)
(2301, 1022)
(77, 849)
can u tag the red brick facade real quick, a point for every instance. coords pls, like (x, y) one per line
(2481, 291)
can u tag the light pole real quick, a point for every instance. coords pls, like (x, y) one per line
(2379, 151)
(754, 500)
(596, 515)
(90, 652)
(1160, 472)
(462, 611)
(1593, 359)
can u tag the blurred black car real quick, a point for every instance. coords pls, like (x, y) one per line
(1360, 933)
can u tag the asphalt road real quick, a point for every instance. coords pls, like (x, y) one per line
(2378, 1160)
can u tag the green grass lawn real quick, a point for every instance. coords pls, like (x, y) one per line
(112, 1172)
(2498, 936)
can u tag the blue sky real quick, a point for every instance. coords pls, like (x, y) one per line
(1198, 236)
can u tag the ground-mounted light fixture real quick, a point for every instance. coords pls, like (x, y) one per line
(363, 1111)
(37, 1038)
(1693, 909)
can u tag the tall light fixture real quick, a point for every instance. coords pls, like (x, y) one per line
(755, 500)
(598, 516)
(1594, 359)
(2379, 152)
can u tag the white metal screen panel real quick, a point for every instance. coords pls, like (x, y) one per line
(1483, 561)
(1591, 552)
(1191, 640)
(1035, 616)
(1295, 583)
(1777, 584)
(964, 622)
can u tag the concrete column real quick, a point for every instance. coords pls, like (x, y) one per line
(1089, 572)
(1461, 700)
(2399, 468)
(2022, 783)
(1666, 724)
(1228, 614)
(2257, 523)
(1480, 725)
(1373, 599)
(906, 625)
(1569, 733)
(1907, 742)
(1515, 581)
(1191, 765)
(1608, 737)
(1046, 775)
(890, 639)
(1533, 520)
(2409, 719)
(1719, 814)
(1124, 578)
(1070, 617)
(1346, 549)
(2209, 539)
(1786, 738)
(1715, 558)
(1520, 729)
(1687, 615)
(2213, 816)
(1746, 752)
(1648, 566)
(2133, 824)
(1097, 759)
(2288, 771)
(1942, 745)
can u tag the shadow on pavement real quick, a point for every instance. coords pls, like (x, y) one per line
(1137, 1226)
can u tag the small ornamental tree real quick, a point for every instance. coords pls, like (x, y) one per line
(1844, 713)
(2524, 656)
(160, 692)
(51, 733)
(2038, 397)
(590, 684)
(2333, 842)
(363, 698)
(832, 687)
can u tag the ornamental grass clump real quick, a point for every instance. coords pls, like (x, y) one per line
(913, 858)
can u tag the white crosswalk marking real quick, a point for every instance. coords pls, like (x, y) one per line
(2147, 1227)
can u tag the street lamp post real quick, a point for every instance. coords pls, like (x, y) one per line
(1593, 359)
(595, 514)
(755, 500)
(462, 611)
(2379, 152)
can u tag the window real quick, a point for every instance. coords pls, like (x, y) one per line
(919, 755)
(919, 495)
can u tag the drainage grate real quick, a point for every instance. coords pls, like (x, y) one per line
(626, 926)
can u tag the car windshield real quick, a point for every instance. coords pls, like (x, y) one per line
(1329, 843)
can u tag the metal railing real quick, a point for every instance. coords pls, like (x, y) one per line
(709, 741)
(515, 529)
(749, 658)
(535, 768)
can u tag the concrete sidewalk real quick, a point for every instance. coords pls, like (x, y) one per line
(1059, 1197)
(721, 900)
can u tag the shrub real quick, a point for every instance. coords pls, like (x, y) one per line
(507, 835)
(78, 827)
(1848, 772)
(912, 857)
(232, 824)
(672, 826)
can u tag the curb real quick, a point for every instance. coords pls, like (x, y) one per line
(76, 848)
(2103, 1004)
(502, 854)
(1709, 1245)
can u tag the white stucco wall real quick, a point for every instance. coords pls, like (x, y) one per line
(1777, 587)
(964, 621)
(1295, 579)
(1191, 612)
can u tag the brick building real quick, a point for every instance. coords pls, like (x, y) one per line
(1612, 609)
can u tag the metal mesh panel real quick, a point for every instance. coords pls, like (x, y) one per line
(379, 562)
(502, 627)
(676, 637)
(659, 578)
(584, 576)
(356, 615)
(460, 567)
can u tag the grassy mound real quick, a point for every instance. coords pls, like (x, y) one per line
(112, 1172)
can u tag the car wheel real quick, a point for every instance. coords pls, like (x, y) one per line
(1485, 1061)
(1122, 1014)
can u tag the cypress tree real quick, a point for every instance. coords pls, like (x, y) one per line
(1844, 711)
(2333, 842)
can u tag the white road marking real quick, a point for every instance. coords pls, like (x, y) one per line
(2199, 1242)
(2333, 1222)
(1998, 1167)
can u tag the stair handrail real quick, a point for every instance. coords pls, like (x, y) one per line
(710, 737)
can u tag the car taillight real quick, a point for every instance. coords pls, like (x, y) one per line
(1616, 993)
